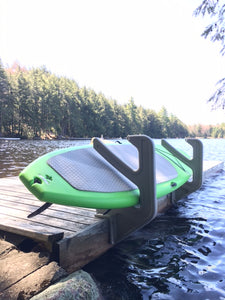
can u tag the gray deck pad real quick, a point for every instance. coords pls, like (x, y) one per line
(86, 170)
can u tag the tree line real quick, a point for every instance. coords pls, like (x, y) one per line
(205, 131)
(36, 103)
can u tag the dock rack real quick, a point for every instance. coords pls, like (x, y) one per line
(126, 220)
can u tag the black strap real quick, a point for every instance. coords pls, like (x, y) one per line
(40, 210)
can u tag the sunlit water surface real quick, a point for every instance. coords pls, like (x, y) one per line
(180, 255)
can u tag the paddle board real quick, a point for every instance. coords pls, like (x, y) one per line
(80, 176)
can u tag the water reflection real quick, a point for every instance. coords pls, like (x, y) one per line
(180, 255)
(16, 155)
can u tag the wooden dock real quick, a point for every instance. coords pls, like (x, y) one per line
(74, 235)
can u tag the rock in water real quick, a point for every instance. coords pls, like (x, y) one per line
(77, 286)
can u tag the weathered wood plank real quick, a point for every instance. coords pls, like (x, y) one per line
(5, 201)
(9, 181)
(84, 247)
(34, 283)
(211, 167)
(23, 195)
(58, 221)
(31, 229)
(63, 225)
(24, 264)
(36, 203)
(5, 247)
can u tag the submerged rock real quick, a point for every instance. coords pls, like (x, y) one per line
(77, 286)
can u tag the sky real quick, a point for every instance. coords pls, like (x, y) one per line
(149, 50)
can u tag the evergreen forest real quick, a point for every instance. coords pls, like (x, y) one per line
(35, 103)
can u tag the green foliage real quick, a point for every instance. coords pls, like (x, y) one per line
(218, 131)
(4, 98)
(216, 32)
(36, 103)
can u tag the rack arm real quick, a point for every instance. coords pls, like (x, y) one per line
(126, 220)
(196, 165)
(131, 218)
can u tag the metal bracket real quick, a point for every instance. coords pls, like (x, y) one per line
(196, 165)
(126, 220)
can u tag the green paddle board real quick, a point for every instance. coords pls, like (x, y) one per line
(80, 176)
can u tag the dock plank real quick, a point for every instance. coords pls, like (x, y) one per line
(211, 167)
(84, 247)
(6, 201)
(43, 220)
(30, 229)
(22, 195)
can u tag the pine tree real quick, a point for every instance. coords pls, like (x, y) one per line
(4, 97)
(216, 32)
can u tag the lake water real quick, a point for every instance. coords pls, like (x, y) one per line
(180, 255)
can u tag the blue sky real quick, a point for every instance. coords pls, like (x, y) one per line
(149, 50)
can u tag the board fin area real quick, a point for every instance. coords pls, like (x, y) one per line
(39, 210)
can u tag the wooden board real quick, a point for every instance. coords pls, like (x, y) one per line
(211, 167)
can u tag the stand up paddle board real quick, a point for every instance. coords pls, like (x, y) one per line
(80, 176)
